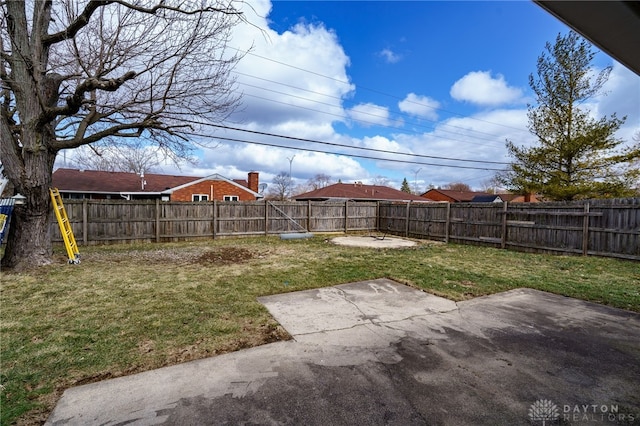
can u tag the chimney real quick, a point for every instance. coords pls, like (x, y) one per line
(253, 181)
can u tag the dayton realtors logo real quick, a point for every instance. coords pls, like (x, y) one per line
(596, 413)
(544, 412)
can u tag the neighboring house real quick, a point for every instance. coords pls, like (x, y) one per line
(94, 184)
(491, 198)
(476, 197)
(358, 192)
(518, 198)
(452, 196)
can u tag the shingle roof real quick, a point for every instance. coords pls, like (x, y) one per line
(115, 182)
(509, 197)
(459, 196)
(359, 192)
(486, 198)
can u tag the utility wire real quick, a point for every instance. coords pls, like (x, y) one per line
(256, 132)
(413, 123)
(248, 52)
(342, 116)
(222, 138)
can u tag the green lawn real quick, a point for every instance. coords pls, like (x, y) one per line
(130, 308)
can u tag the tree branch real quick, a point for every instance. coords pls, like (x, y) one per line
(162, 6)
(75, 101)
(83, 19)
(80, 22)
(119, 130)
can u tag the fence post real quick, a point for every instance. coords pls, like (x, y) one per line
(157, 220)
(406, 220)
(266, 217)
(215, 218)
(85, 220)
(585, 230)
(346, 216)
(378, 216)
(447, 223)
(503, 242)
(309, 216)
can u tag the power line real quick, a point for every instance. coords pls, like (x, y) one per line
(413, 123)
(256, 132)
(355, 119)
(223, 138)
(370, 89)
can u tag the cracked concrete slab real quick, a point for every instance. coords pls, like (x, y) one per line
(350, 305)
(378, 352)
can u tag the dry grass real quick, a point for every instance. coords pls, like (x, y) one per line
(130, 308)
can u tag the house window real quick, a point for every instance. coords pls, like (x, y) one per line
(231, 198)
(199, 197)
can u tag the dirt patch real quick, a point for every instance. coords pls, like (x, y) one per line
(217, 256)
(253, 336)
(224, 256)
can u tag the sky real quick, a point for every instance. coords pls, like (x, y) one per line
(423, 90)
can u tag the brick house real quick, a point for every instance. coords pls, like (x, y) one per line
(94, 184)
(358, 192)
(451, 196)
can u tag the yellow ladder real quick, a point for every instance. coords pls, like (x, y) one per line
(65, 226)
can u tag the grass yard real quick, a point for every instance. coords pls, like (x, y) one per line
(130, 308)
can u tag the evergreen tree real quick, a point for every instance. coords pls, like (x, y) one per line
(405, 186)
(576, 156)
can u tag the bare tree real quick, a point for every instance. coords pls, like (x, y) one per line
(380, 181)
(135, 157)
(490, 185)
(457, 186)
(279, 187)
(81, 72)
(319, 181)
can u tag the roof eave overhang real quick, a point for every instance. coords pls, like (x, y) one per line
(610, 25)
(88, 191)
(142, 193)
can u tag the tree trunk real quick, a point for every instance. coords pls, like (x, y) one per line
(29, 239)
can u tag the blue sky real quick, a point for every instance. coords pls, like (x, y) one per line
(428, 78)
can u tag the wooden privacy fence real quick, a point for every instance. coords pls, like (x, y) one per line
(105, 221)
(591, 227)
(594, 227)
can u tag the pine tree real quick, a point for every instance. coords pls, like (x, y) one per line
(576, 156)
(405, 186)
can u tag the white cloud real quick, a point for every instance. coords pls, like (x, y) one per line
(479, 87)
(369, 114)
(420, 106)
(382, 143)
(478, 137)
(310, 105)
(306, 165)
(621, 95)
(293, 83)
(235, 160)
(299, 75)
(390, 56)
